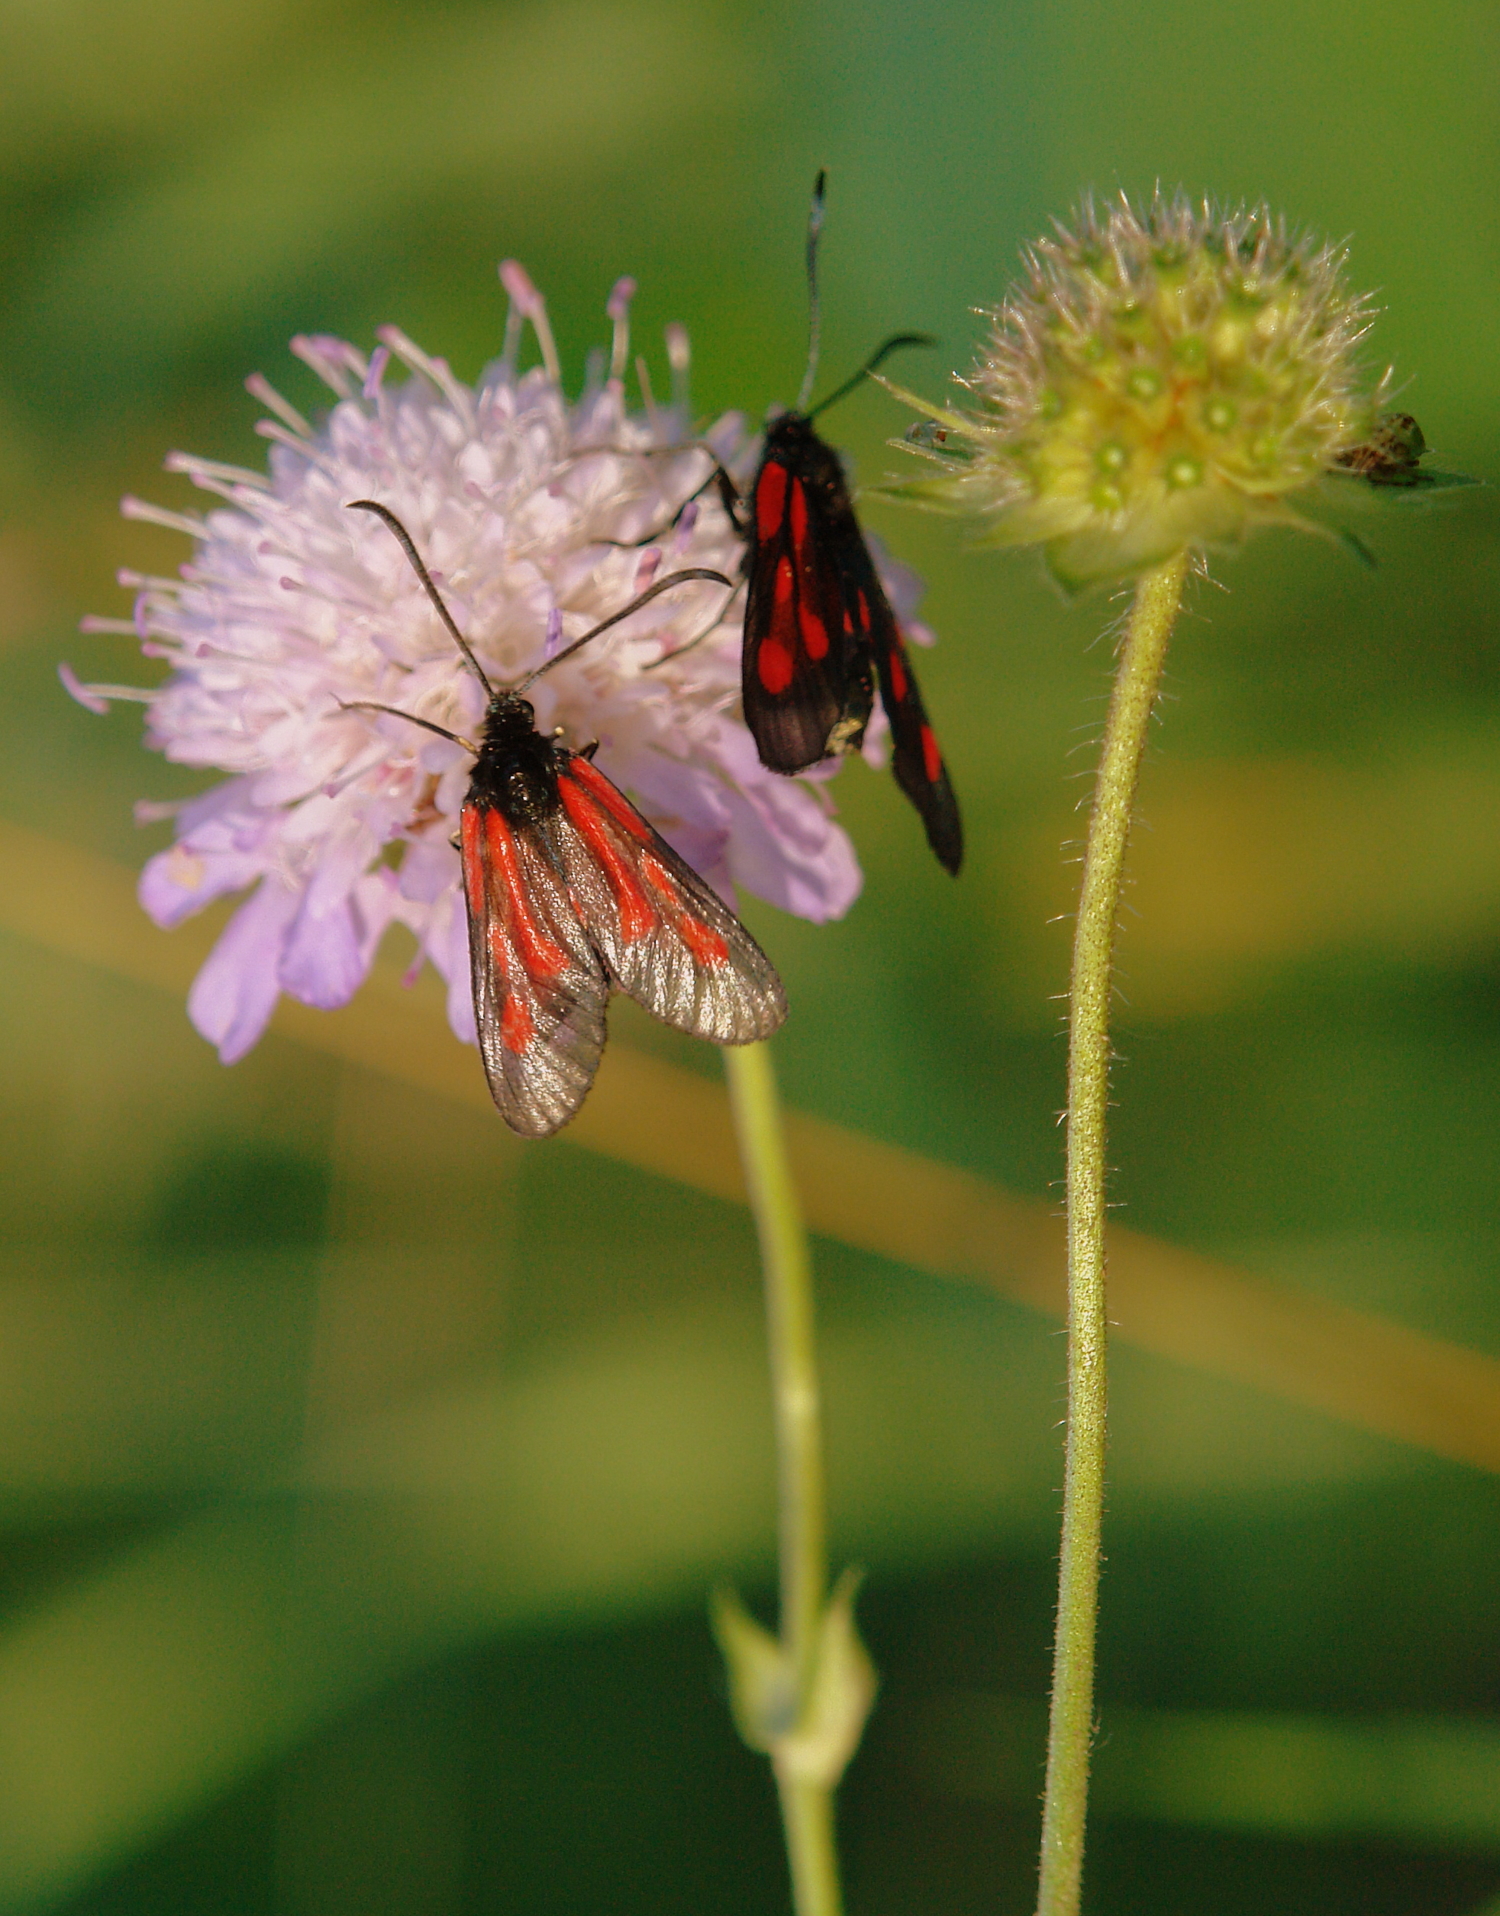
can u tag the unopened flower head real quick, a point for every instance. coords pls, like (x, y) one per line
(527, 508)
(1160, 380)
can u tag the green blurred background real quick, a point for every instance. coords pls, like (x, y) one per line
(235, 1678)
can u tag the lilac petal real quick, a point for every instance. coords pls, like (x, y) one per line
(429, 866)
(332, 941)
(233, 996)
(447, 945)
(787, 851)
(180, 881)
(322, 962)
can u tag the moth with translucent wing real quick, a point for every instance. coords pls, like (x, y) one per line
(571, 895)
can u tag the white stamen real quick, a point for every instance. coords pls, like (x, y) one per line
(259, 387)
(680, 359)
(96, 698)
(133, 508)
(151, 811)
(648, 398)
(200, 471)
(379, 360)
(618, 309)
(529, 302)
(323, 356)
(307, 449)
(437, 370)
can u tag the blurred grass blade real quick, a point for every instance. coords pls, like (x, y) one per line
(1428, 1780)
(523, 100)
(1363, 1369)
(621, 1480)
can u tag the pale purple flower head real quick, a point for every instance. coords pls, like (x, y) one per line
(526, 508)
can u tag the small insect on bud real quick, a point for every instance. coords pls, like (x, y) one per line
(1161, 379)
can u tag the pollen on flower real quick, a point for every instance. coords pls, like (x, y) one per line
(1162, 378)
(539, 515)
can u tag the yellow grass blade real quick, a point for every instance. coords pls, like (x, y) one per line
(1363, 1369)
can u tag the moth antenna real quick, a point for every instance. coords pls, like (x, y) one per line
(881, 353)
(814, 309)
(404, 537)
(394, 711)
(640, 599)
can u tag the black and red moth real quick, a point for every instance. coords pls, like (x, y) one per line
(819, 630)
(571, 895)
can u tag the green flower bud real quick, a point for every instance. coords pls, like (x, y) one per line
(763, 1690)
(1161, 379)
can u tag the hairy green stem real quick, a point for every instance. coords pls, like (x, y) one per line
(806, 1807)
(1157, 597)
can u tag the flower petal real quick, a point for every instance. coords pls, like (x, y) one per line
(233, 996)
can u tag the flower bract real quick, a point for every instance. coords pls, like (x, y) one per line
(1161, 379)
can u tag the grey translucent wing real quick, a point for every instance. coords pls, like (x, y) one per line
(540, 988)
(666, 937)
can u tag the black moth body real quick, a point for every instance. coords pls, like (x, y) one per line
(570, 895)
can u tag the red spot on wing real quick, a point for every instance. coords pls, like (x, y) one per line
(770, 499)
(781, 591)
(542, 956)
(814, 632)
(517, 1027)
(899, 684)
(613, 800)
(773, 664)
(932, 758)
(799, 519)
(864, 613)
(702, 941)
(637, 915)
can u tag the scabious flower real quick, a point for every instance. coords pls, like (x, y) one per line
(527, 508)
(1162, 380)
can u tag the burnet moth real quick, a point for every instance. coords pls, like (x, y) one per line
(819, 629)
(571, 895)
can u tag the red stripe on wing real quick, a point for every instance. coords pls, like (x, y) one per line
(542, 956)
(701, 940)
(539, 987)
(472, 834)
(665, 936)
(636, 913)
(583, 771)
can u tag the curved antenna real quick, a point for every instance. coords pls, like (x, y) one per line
(394, 711)
(880, 353)
(384, 512)
(814, 311)
(641, 598)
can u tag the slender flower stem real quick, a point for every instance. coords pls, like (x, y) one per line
(1157, 597)
(806, 1807)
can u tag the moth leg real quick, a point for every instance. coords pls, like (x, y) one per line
(729, 498)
